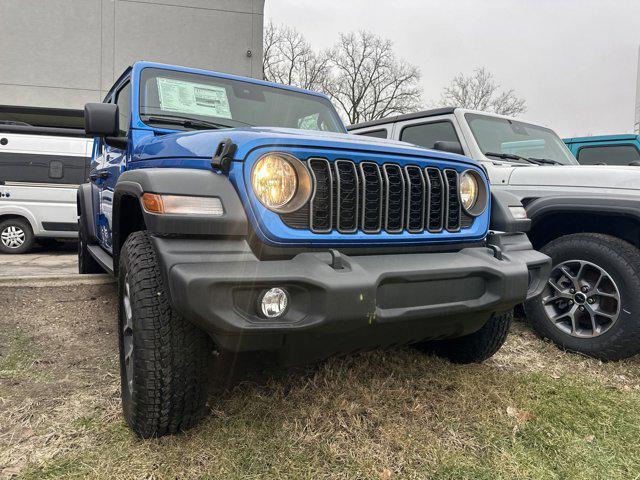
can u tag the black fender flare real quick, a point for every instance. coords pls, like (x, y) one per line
(623, 205)
(182, 181)
(86, 217)
(502, 219)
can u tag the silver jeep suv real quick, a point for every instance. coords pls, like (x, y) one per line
(586, 218)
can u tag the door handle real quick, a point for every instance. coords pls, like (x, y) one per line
(99, 175)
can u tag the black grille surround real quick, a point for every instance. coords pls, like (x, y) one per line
(365, 196)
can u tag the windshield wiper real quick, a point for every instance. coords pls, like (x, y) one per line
(546, 161)
(185, 122)
(511, 156)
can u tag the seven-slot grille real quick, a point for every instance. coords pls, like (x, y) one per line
(368, 197)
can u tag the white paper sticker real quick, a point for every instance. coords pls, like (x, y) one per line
(195, 98)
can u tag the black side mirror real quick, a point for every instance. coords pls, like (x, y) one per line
(101, 120)
(635, 164)
(451, 147)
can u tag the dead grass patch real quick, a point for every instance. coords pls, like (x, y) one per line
(530, 412)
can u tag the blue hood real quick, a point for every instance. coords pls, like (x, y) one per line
(202, 144)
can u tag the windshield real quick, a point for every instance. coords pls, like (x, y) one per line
(510, 137)
(185, 101)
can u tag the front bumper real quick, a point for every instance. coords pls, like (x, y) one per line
(372, 301)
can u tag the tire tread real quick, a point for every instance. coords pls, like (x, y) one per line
(171, 354)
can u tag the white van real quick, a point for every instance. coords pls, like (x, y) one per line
(41, 165)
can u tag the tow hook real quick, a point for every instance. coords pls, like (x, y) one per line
(497, 251)
(337, 261)
(492, 243)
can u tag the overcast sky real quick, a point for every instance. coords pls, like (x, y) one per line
(574, 61)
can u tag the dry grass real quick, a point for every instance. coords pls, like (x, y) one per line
(530, 412)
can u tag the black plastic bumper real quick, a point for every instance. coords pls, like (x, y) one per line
(372, 301)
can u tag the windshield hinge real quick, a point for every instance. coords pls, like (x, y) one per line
(224, 155)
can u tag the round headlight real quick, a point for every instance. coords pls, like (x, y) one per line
(468, 190)
(280, 182)
(473, 193)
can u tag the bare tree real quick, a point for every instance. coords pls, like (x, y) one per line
(366, 81)
(289, 59)
(480, 92)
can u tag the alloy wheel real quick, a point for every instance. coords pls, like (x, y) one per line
(581, 299)
(12, 236)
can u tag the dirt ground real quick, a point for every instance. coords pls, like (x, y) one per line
(529, 412)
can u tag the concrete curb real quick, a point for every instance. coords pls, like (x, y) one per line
(56, 280)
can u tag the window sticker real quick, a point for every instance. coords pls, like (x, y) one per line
(195, 98)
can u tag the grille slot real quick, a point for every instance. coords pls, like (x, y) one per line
(371, 197)
(393, 198)
(321, 203)
(349, 197)
(454, 208)
(436, 199)
(416, 196)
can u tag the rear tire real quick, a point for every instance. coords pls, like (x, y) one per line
(608, 269)
(474, 348)
(86, 263)
(163, 357)
(16, 236)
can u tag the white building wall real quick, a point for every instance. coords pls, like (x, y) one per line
(64, 53)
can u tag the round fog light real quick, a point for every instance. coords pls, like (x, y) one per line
(273, 302)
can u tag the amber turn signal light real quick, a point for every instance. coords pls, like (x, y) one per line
(182, 205)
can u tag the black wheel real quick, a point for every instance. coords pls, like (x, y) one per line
(474, 348)
(16, 236)
(86, 263)
(591, 302)
(163, 357)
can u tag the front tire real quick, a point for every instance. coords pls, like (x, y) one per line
(163, 357)
(476, 347)
(592, 300)
(16, 236)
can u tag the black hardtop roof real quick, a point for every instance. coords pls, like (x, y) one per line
(408, 116)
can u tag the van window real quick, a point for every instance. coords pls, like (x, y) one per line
(427, 134)
(609, 154)
(382, 133)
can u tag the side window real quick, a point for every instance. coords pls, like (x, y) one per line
(610, 155)
(427, 134)
(382, 133)
(123, 100)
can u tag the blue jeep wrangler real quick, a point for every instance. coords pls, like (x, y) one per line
(239, 215)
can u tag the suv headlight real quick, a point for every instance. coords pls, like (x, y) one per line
(473, 193)
(281, 182)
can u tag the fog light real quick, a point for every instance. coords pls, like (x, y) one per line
(273, 302)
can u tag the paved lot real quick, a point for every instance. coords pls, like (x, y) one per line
(60, 260)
